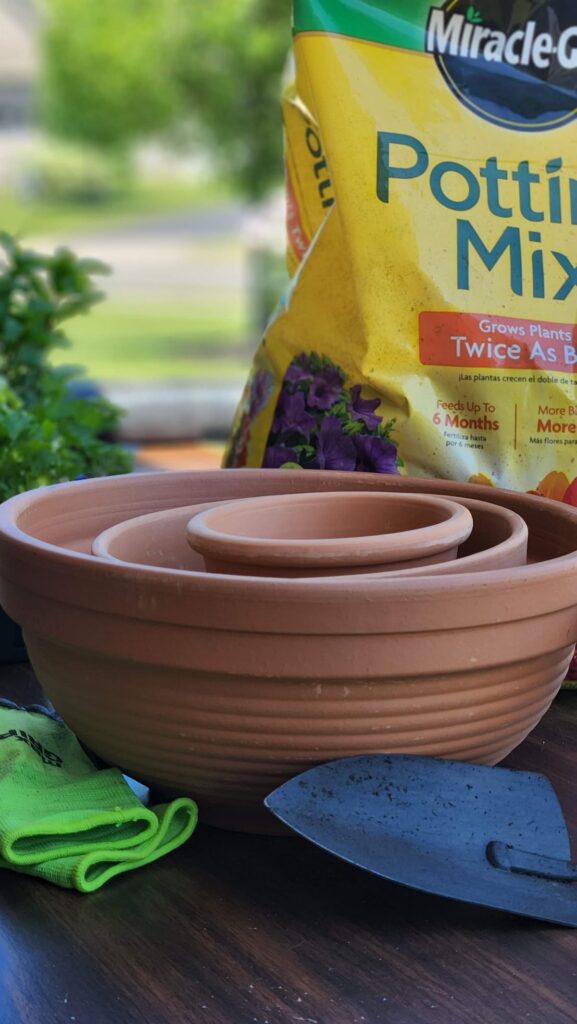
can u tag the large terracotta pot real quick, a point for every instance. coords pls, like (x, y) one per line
(224, 687)
(329, 534)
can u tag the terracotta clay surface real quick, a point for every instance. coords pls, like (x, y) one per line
(498, 541)
(155, 539)
(224, 687)
(329, 534)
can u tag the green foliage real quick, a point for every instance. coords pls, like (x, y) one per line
(106, 75)
(117, 72)
(229, 65)
(46, 434)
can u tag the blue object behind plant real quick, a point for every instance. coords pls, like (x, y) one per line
(12, 647)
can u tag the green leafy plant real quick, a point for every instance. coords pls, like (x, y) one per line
(47, 433)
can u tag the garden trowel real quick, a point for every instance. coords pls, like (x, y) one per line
(489, 836)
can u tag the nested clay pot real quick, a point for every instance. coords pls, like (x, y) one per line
(158, 538)
(223, 687)
(498, 541)
(329, 534)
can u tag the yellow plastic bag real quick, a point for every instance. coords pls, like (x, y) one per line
(431, 164)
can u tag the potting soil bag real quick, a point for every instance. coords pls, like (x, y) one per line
(431, 170)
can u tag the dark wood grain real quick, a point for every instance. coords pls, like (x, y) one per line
(236, 929)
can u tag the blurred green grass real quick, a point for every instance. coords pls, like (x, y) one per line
(169, 339)
(145, 200)
(166, 336)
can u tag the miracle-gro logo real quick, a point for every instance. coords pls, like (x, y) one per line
(524, 47)
(513, 63)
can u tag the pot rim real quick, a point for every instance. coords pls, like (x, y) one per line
(204, 534)
(518, 534)
(106, 539)
(560, 570)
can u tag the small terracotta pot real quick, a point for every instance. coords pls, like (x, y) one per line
(224, 687)
(302, 535)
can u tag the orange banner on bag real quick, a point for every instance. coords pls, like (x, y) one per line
(478, 339)
(296, 233)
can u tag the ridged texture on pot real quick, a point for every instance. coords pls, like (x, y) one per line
(228, 740)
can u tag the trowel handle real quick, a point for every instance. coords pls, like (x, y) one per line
(521, 862)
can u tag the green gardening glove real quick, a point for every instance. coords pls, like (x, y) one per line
(63, 819)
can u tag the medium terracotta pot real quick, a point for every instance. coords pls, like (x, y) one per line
(329, 534)
(498, 541)
(225, 687)
(156, 539)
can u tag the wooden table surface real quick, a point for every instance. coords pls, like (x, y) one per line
(239, 929)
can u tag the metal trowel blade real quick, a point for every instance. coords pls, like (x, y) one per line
(429, 824)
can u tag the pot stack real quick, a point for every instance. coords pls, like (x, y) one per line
(216, 633)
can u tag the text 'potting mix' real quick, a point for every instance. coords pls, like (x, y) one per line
(430, 327)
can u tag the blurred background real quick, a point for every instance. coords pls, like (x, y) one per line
(147, 134)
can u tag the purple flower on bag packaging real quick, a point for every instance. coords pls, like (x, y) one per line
(364, 408)
(261, 388)
(334, 449)
(375, 454)
(298, 371)
(291, 415)
(257, 394)
(322, 421)
(325, 388)
(277, 455)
